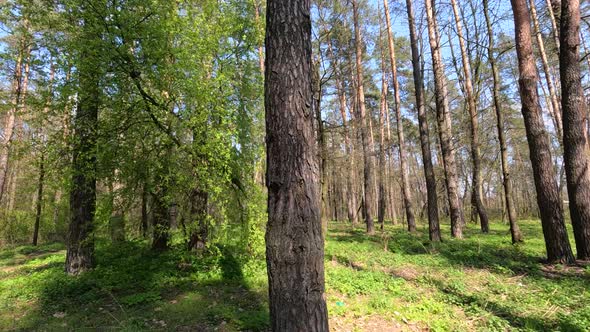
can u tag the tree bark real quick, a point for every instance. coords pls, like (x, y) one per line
(574, 118)
(161, 219)
(368, 172)
(257, 22)
(321, 141)
(400, 129)
(199, 200)
(39, 199)
(433, 221)
(474, 124)
(144, 210)
(80, 246)
(382, 149)
(19, 88)
(350, 180)
(550, 207)
(444, 123)
(554, 27)
(506, 176)
(294, 242)
(548, 78)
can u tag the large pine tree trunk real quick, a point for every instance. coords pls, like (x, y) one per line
(400, 129)
(365, 129)
(575, 111)
(294, 242)
(506, 178)
(550, 207)
(433, 222)
(443, 116)
(474, 124)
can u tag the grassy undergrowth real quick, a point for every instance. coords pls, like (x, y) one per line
(390, 281)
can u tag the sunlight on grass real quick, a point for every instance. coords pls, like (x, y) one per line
(480, 283)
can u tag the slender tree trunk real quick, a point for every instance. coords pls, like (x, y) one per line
(382, 149)
(433, 222)
(257, 22)
(19, 88)
(144, 210)
(321, 141)
(366, 137)
(506, 176)
(576, 153)
(554, 27)
(349, 148)
(548, 77)
(472, 108)
(12, 186)
(444, 123)
(117, 218)
(39, 199)
(556, 238)
(294, 241)
(400, 129)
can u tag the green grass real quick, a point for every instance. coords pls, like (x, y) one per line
(397, 281)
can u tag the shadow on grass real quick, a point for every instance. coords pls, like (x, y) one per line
(133, 288)
(20, 255)
(491, 251)
(484, 303)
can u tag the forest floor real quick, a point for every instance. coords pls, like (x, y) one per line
(388, 282)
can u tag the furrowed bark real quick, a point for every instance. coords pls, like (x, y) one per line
(444, 123)
(576, 153)
(294, 242)
(548, 199)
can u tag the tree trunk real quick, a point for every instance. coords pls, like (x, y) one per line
(80, 246)
(382, 149)
(257, 22)
(144, 210)
(199, 200)
(350, 180)
(574, 118)
(400, 129)
(19, 90)
(474, 123)
(321, 141)
(368, 172)
(554, 27)
(506, 176)
(550, 207)
(444, 123)
(39, 199)
(548, 78)
(294, 242)
(433, 221)
(161, 219)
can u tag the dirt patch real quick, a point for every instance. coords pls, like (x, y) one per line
(407, 273)
(370, 324)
